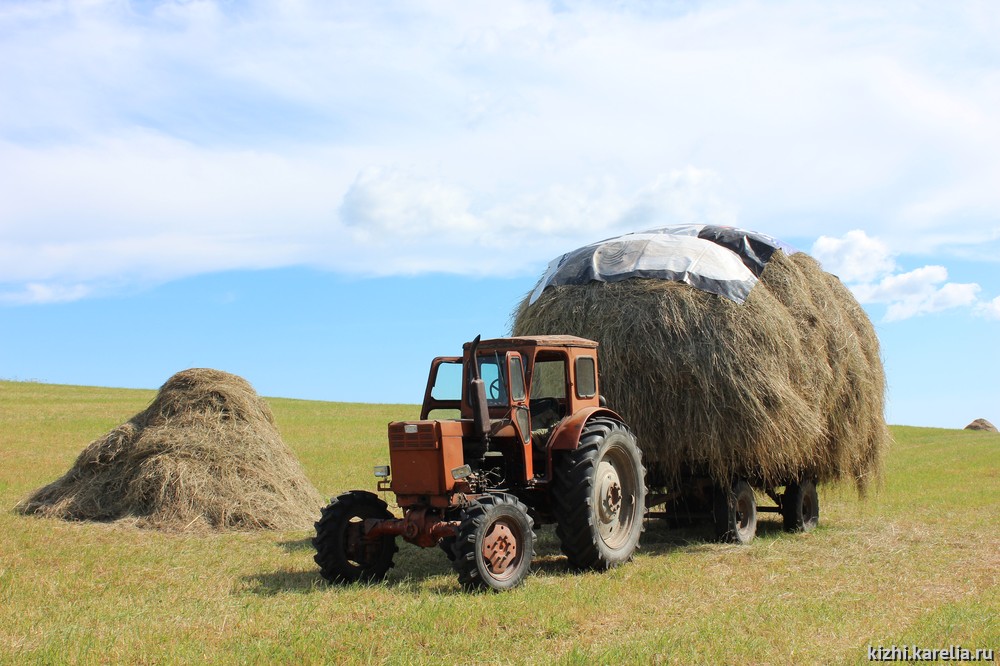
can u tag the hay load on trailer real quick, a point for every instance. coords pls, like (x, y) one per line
(734, 359)
(205, 453)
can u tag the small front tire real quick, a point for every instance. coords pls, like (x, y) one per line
(342, 552)
(495, 544)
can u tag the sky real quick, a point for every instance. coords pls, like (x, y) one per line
(321, 196)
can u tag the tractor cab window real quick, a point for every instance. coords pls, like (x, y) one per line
(548, 394)
(443, 398)
(516, 378)
(549, 379)
(494, 374)
(586, 377)
(448, 382)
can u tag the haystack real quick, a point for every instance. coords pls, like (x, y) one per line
(787, 385)
(981, 424)
(205, 453)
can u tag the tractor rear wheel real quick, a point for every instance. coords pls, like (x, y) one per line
(800, 506)
(342, 552)
(599, 496)
(495, 544)
(736, 513)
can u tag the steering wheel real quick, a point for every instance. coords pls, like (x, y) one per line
(495, 389)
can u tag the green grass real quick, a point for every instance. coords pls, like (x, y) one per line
(916, 563)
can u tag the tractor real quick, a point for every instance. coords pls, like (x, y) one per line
(512, 435)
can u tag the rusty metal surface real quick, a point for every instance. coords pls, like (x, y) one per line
(422, 527)
(422, 455)
(499, 548)
(536, 341)
(567, 433)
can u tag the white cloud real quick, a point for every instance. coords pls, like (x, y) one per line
(402, 222)
(989, 309)
(39, 294)
(688, 195)
(855, 257)
(867, 267)
(156, 140)
(393, 203)
(922, 296)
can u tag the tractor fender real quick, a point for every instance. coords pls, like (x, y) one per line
(566, 436)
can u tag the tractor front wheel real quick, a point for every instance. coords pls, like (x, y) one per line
(343, 553)
(495, 544)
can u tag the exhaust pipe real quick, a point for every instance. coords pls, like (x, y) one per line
(477, 398)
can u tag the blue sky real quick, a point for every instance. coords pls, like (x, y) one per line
(320, 196)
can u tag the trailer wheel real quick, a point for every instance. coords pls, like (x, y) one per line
(800, 506)
(599, 496)
(342, 553)
(495, 544)
(736, 513)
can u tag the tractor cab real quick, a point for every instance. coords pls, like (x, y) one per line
(511, 400)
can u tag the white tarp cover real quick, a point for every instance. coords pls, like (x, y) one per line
(722, 260)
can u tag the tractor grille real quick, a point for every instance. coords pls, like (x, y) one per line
(424, 436)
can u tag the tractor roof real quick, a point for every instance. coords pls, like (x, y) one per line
(536, 341)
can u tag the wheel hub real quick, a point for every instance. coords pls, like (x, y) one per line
(609, 494)
(499, 548)
(355, 547)
(742, 514)
(807, 508)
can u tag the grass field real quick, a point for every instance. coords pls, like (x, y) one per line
(915, 564)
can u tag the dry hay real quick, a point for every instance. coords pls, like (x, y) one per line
(981, 424)
(205, 453)
(789, 385)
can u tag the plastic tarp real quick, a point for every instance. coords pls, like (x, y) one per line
(721, 260)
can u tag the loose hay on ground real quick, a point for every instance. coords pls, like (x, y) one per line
(205, 453)
(789, 385)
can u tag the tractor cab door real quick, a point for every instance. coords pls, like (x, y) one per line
(444, 388)
(520, 414)
(549, 379)
(519, 411)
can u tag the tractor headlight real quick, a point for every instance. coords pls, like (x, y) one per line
(381, 471)
(462, 472)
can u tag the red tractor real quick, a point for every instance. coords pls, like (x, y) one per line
(524, 439)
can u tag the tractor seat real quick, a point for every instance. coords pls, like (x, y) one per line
(545, 413)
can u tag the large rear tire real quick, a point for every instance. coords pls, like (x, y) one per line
(342, 552)
(736, 513)
(495, 544)
(800, 506)
(599, 496)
